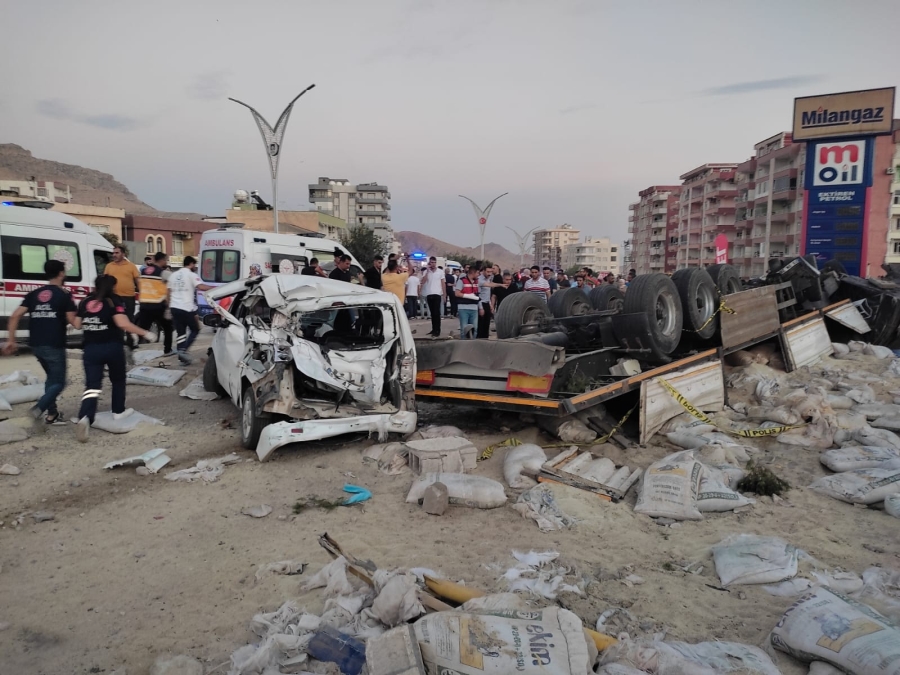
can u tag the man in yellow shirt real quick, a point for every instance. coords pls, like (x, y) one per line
(127, 275)
(394, 281)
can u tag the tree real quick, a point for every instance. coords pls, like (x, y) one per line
(110, 237)
(363, 243)
(464, 259)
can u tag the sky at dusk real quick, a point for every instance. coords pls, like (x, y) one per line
(570, 106)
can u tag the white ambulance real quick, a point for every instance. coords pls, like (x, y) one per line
(231, 252)
(29, 237)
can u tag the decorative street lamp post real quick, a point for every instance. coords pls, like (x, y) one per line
(272, 139)
(522, 241)
(482, 215)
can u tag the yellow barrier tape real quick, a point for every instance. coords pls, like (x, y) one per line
(601, 439)
(721, 308)
(745, 433)
(489, 450)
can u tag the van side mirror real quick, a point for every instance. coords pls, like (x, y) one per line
(212, 320)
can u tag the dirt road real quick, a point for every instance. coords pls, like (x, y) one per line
(132, 567)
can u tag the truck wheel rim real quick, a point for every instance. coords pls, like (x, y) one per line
(706, 303)
(532, 316)
(246, 416)
(665, 313)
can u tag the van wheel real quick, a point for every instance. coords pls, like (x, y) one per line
(656, 295)
(569, 302)
(252, 424)
(518, 310)
(606, 297)
(726, 279)
(699, 300)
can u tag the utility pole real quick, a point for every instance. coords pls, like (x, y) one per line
(482, 215)
(522, 241)
(272, 139)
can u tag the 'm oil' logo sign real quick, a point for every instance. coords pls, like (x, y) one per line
(838, 163)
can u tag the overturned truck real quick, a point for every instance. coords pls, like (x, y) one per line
(600, 356)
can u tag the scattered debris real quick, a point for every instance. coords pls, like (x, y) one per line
(392, 458)
(207, 470)
(445, 454)
(540, 575)
(154, 377)
(257, 511)
(195, 391)
(11, 432)
(10, 470)
(152, 460)
(663, 658)
(332, 646)
(43, 516)
(435, 500)
(358, 494)
(540, 505)
(176, 665)
(286, 567)
(519, 458)
(436, 432)
(463, 490)
(142, 356)
(106, 422)
(751, 559)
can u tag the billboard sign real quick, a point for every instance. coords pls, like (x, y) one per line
(869, 112)
(721, 244)
(839, 163)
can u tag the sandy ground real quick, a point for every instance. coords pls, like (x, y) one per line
(133, 567)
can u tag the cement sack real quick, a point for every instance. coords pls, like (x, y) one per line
(892, 505)
(818, 434)
(670, 487)
(856, 345)
(825, 626)
(740, 358)
(822, 668)
(878, 352)
(106, 422)
(839, 402)
(573, 431)
(197, 392)
(619, 669)
(893, 369)
(391, 458)
(861, 486)
(742, 559)
(851, 421)
(10, 432)
(154, 377)
(681, 658)
(860, 457)
(464, 490)
(875, 410)
(881, 592)
(19, 377)
(683, 422)
(781, 414)
(142, 356)
(547, 641)
(725, 454)
(840, 348)
(862, 394)
(527, 456)
(20, 393)
(435, 431)
(869, 436)
(715, 496)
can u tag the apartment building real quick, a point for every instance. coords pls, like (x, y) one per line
(653, 225)
(893, 172)
(706, 209)
(550, 243)
(597, 253)
(769, 205)
(361, 204)
(42, 190)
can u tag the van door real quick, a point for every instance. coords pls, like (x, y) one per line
(218, 266)
(287, 259)
(24, 252)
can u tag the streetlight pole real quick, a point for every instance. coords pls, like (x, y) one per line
(522, 241)
(272, 139)
(482, 215)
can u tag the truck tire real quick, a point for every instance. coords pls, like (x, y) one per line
(726, 279)
(252, 423)
(656, 296)
(569, 302)
(699, 301)
(606, 297)
(517, 310)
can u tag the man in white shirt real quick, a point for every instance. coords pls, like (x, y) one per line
(435, 292)
(183, 286)
(412, 295)
(537, 284)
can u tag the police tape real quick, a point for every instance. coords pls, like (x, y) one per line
(744, 433)
(721, 308)
(489, 450)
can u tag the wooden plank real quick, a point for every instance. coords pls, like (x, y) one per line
(806, 343)
(848, 315)
(755, 314)
(703, 386)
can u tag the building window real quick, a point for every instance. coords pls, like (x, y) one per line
(151, 248)
(897, 199)
(177, 244)
(42, 192)
(100, 228)
(160, 245)
(897, 247)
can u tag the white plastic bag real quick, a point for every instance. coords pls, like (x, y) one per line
(463, 489)
(106, 422)
(751, 559)
(547, 641)
(155, 377)
(526, 456)
(861, 486)
(860, 457)
(669, 488)
(681, 658)
(824, 626)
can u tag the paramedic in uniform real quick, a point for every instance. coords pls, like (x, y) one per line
(183, 287)
(101, 317)
(154, 295)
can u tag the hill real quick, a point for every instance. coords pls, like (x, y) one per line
(414, 241)
(88, 186)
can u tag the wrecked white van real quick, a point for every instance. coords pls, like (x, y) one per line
(307, 358)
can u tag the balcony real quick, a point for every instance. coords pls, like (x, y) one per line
(373, 200)
(630, 219)
(722, 190)
(631, 228)
(786, 172)
(786, 195)
(658, 237)
(371, 214)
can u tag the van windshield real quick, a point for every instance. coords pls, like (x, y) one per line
(220, 266)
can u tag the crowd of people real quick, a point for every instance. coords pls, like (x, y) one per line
(109, 326)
